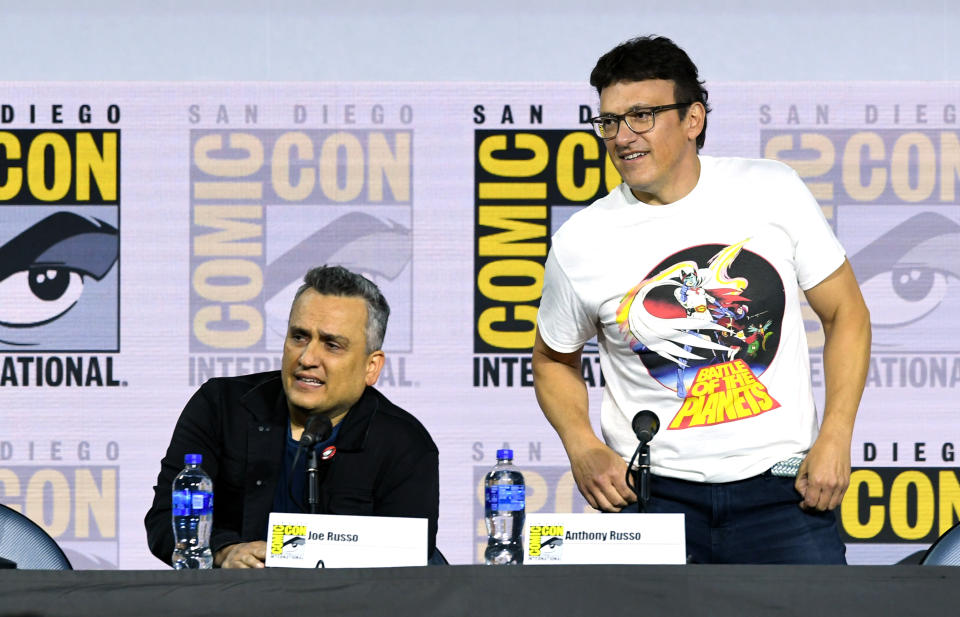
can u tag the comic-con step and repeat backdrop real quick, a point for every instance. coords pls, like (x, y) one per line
(152, 235)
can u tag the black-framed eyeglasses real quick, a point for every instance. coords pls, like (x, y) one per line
(638, 120)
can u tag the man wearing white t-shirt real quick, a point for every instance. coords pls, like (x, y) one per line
(688, 274)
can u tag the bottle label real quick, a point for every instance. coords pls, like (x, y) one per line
(506, 497)
(186, 503)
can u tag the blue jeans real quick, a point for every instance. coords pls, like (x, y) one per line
(755, 521)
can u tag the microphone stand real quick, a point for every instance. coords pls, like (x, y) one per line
(313, 481)
(640, 475)
(645, 424)
(643, 478)
(317, 430)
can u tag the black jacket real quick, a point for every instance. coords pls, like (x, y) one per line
(385, 464)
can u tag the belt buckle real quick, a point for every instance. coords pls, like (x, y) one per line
(787, 468)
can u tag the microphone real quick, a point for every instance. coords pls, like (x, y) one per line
(645, 425)
(318, 429)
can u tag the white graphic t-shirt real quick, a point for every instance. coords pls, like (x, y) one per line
(696, 312)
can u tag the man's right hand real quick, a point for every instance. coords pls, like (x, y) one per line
(562, 394)
(600, 474)
(245, 555)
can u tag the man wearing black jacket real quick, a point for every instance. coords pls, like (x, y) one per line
(247, 429)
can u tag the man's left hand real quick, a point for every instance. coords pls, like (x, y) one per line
(824, 475)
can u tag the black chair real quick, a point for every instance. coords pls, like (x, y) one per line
(945, 551)
(25, 543)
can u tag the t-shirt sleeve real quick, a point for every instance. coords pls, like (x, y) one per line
(563, 323)
(817, 252)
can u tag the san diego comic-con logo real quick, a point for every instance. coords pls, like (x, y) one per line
(891, 195)
(705, 322)
(526, 183)
(297, 198)
(59, 241)
(286, 541)
(59, 292)
(545, 542)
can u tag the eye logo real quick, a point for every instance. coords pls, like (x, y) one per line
(58, 284)
(908, 275)
(381, 250)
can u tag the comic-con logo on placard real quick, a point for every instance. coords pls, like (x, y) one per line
(545, 542)
(706, 322)
(286, 541)
(59, 242)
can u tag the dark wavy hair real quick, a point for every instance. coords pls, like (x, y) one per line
(653, 57)
(338, 281)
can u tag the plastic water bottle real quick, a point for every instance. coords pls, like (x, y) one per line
(504, 511)
(192, 516)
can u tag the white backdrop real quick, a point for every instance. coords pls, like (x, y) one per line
(228, 192)
(495, 40)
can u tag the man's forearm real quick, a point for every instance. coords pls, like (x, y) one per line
(846, 358)
(839, 304)
(562, 395)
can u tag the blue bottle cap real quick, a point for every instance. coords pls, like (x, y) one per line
(193, 459)
(503, 454)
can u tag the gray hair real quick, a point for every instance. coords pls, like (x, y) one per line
(338, 281)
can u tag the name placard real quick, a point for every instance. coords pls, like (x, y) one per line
(336, 541)
(551, 538)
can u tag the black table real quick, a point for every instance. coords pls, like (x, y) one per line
(489, 591)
